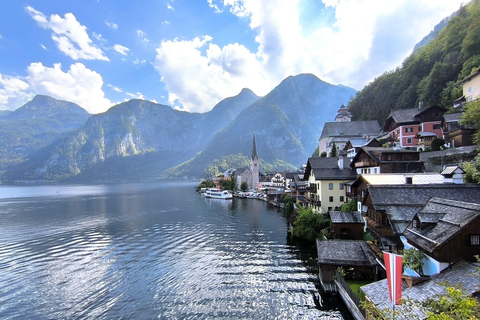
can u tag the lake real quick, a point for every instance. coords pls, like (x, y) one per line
(151, 251)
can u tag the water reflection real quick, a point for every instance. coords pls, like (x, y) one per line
(151, 252)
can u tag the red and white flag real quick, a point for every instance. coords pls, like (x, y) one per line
(393, 264)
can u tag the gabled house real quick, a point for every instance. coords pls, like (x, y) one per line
(403, 125)
(471, 87)
(389, 209)
(298, 187)
(359, 188)
(326, 178)
(386, 160)
(354, 145)
(456, 134)
(347, 225)
(343, 129)
(446, 230)
(344, 253)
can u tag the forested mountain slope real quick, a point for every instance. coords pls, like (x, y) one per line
(430, 74)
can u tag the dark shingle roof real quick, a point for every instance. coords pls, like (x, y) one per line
(346, 217)
(453, 216)
(461, 273)
(353, 128)
(402, 202)
(345, 252)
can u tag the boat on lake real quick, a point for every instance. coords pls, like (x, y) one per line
(218, 194)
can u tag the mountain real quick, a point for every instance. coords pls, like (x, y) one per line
(36, 125)
(135, 140)
(287, 123)
(430, 74)
(139, 140)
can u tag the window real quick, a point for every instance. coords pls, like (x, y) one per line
(340, 186)
(341, 199)
(330, 199)
(475, 240)
(436, 126)
(469, 90)
(329, 208)
(330, 186)
(407, 130)
(409, 140)
(344, 230)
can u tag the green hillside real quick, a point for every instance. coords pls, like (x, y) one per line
(430, 74)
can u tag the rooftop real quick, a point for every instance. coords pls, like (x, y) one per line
(345, 252)
(351, 128)
(346, 217)
(461, 273)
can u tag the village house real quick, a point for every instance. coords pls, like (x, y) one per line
(389, 209)
(298, 187)
(333, 254)
(447, 231)
(343, 129)
(354, 145)
(386, 160)
(455, 134)
(406, 126)
(471, 89)
(347, 225)
(326, 178)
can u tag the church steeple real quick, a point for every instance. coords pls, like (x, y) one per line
(254, 149)
(254, 167)
(343, 114)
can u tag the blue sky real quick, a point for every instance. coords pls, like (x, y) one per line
(191, 54)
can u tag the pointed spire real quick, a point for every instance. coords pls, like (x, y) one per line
(254, 150)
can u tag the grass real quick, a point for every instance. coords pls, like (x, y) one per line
(355, 286)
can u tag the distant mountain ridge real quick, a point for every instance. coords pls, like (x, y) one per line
(140, 140)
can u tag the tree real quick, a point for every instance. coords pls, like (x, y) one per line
(244, 186)
(472, 170)
(323, 154)
(333, 153)
(234, 182)
(350, 205)
(309, 225)
(454, 304)
(413, 259)
(437, 144)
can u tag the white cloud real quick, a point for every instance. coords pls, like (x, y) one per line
(114, 88)
(136, 61)
(142, 36)
(12, 89)
(79, 85)
(112, 25)
(137, 95)
(199, 81)
(69, 35)
(43, 47)
(121, 49)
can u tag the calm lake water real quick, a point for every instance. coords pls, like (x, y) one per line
(150, 251)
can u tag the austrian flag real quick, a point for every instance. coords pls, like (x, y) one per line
(393, 264)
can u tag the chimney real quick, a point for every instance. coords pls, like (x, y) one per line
(420, 105)
(340, 163)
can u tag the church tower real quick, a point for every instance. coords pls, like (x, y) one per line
(254, 167)
(343, 114)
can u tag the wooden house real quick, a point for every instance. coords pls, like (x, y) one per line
(386, 160)
(456, 134)
(347, 225)
(446, 230)
(344, 253)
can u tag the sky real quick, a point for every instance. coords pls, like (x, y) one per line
(191, 54)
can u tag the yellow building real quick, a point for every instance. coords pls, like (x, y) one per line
(471, 86)
(326, 178)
